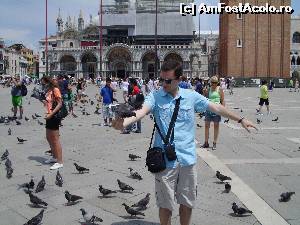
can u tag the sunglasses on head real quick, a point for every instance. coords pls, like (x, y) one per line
(167, 81)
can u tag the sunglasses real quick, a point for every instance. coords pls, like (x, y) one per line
(167, 81)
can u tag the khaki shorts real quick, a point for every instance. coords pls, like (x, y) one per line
(176, 184)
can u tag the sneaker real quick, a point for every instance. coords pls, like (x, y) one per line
(51, 160)
(56, 166)
(105, 124)
(214, 146)
(205, 145)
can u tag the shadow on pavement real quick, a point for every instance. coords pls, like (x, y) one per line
(134, 222)
(38, 159)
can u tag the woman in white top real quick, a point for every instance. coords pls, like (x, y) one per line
(124, 87)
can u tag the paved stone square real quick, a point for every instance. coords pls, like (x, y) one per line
(263, 164)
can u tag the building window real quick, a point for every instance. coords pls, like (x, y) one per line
(239, 43)
(296, 37)
(293, 61)
(298, 61)
(239, 16)
(71, 44)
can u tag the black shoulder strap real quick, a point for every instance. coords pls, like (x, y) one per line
(171, 125)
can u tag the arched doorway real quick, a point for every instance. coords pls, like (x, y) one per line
(89, 65)
(173, 57)
(148, 65)
(119, 62)
(68, 65)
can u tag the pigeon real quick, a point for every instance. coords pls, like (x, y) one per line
(151, 117)
(239, 210)
(89, 218)
(222, 177)
(5, 155)
(124, 110)
(8, 163)
(124, 187)
(33, 117)
(37, 115)
(81, 169)
(9, 131)
(26, 119)
(9, 172)
(236, 108)
(276, 119)
(286, 196)
(198, 125)
(18, 122)
(72, 198)
(201, 115)
(59, 180)
(135, 175)
(257, 110)
(87, 114)
(133, 157)
(105, 191)
(132, 211)
(227, 187)
(41, 185)
(29, 185)
(92, 103)
(37, 219)
(40, 123)
(28, 102)
(36, 200)
(142, 204)
(258, 121)
(226, 121)
(241, 110)
(21, 140)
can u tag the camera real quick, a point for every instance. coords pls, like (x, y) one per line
(170, 152)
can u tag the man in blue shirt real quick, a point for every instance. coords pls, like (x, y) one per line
(179, 180)
(106, 94)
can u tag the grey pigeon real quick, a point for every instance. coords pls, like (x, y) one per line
(59, 180)
(286, 196)
(142, 204)
(40, 123)
(89, 218)
(124, 187)
(124, 110)
(105, 191)
(81, 169)
(227, 188)
(33, 117)
(21, 140)
(239, 210)
(41, 185)
(37, 219)
(29, 185)
(132, 211)
(222, 177)
(92, 103)
(26, 119)
(37, 115)
(9, 172)
(258, 121)
(72, 198)
(276, 119)
(5, 155)
(133, 157)
(8, 163)
(36, 200)
(135, 175)
(226, 121)
(18, 122)
(9, 131)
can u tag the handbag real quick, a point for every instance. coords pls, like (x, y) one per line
(155, 159)
(62, 112)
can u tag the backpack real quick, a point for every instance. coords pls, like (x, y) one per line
(24, 90)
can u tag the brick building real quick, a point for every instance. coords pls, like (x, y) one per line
(255, 45)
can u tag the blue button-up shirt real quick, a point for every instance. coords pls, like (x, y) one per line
(162, 106)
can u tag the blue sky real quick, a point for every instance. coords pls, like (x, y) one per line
(24, 20)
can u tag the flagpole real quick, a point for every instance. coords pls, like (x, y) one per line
(155, 47)
(100, 38)
(46, 50)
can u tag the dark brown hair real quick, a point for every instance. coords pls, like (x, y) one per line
(172, 65)
(50, 81)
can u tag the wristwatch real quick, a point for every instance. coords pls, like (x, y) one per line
(240, 120)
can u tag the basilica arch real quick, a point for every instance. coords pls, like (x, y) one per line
(68, 64)
(119, 62)
(89, 64)
(173, 56)
(148, 64)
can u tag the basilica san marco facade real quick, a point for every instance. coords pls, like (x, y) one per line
(128, 46)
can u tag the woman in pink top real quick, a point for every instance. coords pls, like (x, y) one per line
(53, 103)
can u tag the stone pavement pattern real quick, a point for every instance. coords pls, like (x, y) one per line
(260, 159)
